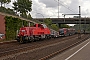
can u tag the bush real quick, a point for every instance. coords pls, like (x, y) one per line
(12, 25)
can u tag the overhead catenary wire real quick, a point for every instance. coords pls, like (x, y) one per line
(65, 6)
(42, 12)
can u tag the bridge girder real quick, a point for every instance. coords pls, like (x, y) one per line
(67, 20)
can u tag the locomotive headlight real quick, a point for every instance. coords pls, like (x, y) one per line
(17, 35)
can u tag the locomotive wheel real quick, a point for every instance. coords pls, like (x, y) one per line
(31, 39)
(21, 40)
(48, 37)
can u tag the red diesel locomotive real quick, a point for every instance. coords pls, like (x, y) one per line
(36, 32)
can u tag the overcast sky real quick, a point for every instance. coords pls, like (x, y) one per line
(49, 8)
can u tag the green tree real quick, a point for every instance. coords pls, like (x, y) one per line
(64, 26)
(22, 6)
(29, 16)
(55, 27)
(48, 22)
(4, 1)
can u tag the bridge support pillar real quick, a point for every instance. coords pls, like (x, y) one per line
(59, 25)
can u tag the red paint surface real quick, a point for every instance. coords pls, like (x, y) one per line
(2, 25)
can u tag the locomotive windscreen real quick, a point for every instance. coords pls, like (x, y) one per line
(44, 25)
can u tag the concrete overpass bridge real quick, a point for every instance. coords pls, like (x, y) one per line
(66, 20)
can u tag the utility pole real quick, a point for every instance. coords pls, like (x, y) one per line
(79, 22)
(85, 26)
(79, 31)
(58, 8)
(64, 18)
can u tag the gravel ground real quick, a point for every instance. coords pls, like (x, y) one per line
(32, 45)
(43, 51)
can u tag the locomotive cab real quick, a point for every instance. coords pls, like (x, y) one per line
(42, 31)
(39, 26)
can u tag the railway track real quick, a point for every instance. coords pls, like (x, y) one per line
(63, 49)
(16, 46)
(35, 46)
